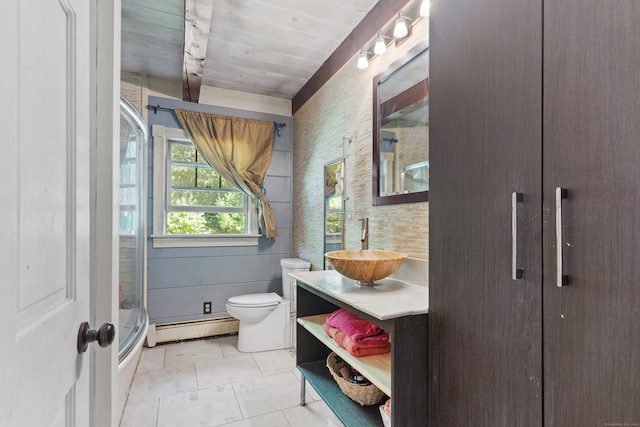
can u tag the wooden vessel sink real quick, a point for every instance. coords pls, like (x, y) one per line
(365, 266)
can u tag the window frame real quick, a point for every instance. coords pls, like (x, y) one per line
(162, 136)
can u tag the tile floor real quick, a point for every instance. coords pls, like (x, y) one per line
(209, 382)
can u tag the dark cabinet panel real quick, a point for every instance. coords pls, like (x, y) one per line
(592, 148)
(485, 364)
(549, 119)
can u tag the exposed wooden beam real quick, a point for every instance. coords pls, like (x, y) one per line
(378, 16)
(197, 21)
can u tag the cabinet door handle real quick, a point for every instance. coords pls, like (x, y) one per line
(561, 279)
(516, 273)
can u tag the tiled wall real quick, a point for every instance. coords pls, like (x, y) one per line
(342, 111)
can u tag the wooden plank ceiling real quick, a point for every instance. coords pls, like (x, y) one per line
(267, 47)
(153, 38)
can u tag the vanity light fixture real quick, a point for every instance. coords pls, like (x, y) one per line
(424, 8)
(380, 47)
(363, 62)
(400, 30)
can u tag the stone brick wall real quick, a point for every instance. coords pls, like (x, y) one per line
(337, 121)
(131, 87)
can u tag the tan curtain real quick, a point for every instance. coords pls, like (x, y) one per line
(240, 150)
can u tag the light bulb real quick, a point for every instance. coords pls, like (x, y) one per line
(424, 8)
(363, 62)
(381, 46)
(400, 30)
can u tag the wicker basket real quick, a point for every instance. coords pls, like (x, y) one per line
(362, 394)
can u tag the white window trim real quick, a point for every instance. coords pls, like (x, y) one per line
(161, 240)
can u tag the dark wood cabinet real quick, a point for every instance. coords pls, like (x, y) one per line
(529, 97)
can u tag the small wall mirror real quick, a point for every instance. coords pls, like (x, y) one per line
(333, 206)
(401, 130)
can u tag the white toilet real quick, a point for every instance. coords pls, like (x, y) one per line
(266, 319)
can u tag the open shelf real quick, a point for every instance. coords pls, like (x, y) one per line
(407, 380)
(349, 412)
(376, 369)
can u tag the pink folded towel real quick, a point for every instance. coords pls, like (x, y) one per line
(356, 328)
(356, 349)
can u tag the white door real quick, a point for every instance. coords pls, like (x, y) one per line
(45, 211)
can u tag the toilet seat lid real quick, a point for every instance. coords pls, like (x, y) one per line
(255, 300)
(295, 263)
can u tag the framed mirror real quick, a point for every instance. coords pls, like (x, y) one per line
(333, 206)
(401, 130)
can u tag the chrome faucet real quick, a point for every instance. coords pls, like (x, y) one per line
(365, 233)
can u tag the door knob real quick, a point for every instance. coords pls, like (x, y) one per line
(104, 336)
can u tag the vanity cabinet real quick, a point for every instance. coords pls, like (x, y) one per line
(401, 374)
(534, 302)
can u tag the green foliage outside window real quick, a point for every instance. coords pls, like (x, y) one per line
(334, 223)
(205, 223)
(206, 198)
(194, 184)
(185, 223)
(186, 152)
(334, 214)
(335, 203)
(226, 223)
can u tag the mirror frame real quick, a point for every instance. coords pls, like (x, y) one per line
(418, 196)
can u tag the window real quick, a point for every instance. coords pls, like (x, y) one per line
(193, 204)
(334, 214)
(200, 200)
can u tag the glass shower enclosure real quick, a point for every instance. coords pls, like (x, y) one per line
(133, 199)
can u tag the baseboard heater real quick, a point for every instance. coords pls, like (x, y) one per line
(169, 332)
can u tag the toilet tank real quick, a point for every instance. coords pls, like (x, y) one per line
(291, 265)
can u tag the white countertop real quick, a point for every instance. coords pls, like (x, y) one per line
(386, 299)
